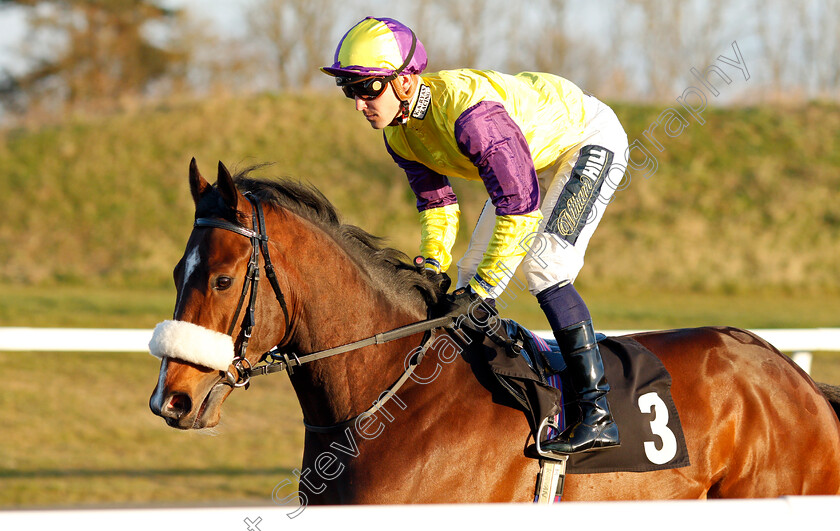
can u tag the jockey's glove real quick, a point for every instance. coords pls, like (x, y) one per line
(471, 311)
(479, 315)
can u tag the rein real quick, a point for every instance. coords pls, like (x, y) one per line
(276, 360)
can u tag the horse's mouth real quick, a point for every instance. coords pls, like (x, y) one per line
(209, 412)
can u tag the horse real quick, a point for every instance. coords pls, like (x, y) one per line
(755, 424)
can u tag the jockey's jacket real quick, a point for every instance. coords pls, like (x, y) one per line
(483, 125)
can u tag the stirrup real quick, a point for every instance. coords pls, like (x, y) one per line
(552, 477)
(548, 422)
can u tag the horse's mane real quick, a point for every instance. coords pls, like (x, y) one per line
(390, 268)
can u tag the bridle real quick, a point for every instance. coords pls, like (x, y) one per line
(259, 242)
(276, 359)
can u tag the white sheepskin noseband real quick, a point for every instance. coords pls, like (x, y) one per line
(193, 343)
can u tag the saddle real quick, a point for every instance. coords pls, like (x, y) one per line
(530, 370)
(543, 356)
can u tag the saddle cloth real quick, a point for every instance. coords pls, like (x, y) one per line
(640, 400)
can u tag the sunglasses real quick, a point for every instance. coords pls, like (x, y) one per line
(366, 88)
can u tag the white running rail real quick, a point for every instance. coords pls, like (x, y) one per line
(801, 342)
(24, 339)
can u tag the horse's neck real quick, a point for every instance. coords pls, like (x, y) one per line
(340, 302)
(337, 307)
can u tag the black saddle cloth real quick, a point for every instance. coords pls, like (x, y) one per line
(640, 400)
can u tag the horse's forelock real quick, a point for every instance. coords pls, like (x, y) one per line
(211, 205)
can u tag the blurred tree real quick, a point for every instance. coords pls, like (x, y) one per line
(818, 75)
(672, 37)
(779, 29)
(90, 53)
(298, 37)
(663, 44)
(463, 34)
(550, 49)
(466, 16)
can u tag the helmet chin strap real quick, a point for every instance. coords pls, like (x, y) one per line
(405, 99)
(402, 116)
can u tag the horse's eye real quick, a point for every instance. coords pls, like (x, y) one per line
(223, 283)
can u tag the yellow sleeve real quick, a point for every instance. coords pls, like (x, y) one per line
(504, 253)
(438, 230)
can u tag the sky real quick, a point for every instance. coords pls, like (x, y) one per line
(12, 31)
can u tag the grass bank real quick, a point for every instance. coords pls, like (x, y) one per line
(740, 204)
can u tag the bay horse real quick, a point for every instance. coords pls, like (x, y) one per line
(755, 424)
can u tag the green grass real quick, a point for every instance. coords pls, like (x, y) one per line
(105, 307)
(740, 204)
(85, 307)
(78, 431)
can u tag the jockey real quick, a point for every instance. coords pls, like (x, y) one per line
(550, 158)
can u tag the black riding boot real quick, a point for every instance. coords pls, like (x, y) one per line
(595, 428)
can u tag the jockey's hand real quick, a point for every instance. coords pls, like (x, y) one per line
(472, 311)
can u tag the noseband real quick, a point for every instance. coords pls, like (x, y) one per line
(276, 359)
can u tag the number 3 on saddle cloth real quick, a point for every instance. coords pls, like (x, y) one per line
(640, 399)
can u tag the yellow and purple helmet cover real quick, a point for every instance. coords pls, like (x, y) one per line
(378, 47)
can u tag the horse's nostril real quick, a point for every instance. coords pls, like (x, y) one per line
(178, 405)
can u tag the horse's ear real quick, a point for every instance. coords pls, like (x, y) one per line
(198, 185)
(224, 182)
